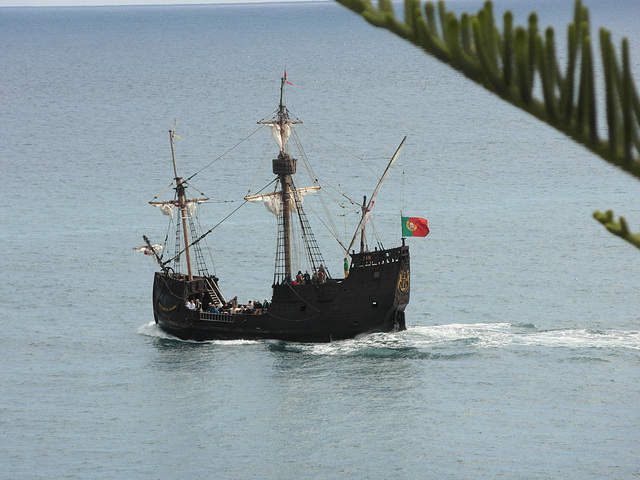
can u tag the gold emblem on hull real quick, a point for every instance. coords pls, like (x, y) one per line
(166, 309)
(403, 282)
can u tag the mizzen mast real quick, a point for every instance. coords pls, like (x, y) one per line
(366, 207)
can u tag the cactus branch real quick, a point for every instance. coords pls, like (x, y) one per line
(509, 63)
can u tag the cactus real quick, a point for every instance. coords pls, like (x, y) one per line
(508, 63)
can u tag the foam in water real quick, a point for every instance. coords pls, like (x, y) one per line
(495, 335)
(152, 329)
(476, 335)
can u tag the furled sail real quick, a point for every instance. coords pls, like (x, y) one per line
(273, 202)
(167, 207)
(280, 133)
(156, 247)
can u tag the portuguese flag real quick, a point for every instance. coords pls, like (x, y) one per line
(414, 227)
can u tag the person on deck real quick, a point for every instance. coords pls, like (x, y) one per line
(346, 267)
(306, 277)
(299, 279)
(322, 274)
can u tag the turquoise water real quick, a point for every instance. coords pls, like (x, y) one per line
(522, 354)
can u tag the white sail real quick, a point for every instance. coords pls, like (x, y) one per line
(280, 134)
(166, 210)
(372, 200)
(167, 207)
(273, 202)
(191, 207)
(156, 247)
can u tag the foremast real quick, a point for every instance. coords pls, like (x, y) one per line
(182, 205)
(186, 206)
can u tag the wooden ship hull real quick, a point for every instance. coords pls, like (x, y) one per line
(188, 303)
(372, 298)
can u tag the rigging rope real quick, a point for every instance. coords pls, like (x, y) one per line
(221, 156)
(264, 155)
(334, 229)
(164, 190)
(213, 263)
(318, 179)
(201, 237)
(343, 149)
(208, 232)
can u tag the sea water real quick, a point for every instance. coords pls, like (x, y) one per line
(522, 354)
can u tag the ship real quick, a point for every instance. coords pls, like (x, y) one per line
(310, 307)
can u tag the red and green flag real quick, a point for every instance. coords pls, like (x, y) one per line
(414, 227)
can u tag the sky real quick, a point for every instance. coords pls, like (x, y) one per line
(66, 3)
(55, 3)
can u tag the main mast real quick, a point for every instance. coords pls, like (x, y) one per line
(289, 200)
(284, 167)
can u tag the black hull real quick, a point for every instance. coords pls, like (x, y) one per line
(371, 299)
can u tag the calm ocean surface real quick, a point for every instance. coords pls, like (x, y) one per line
(522, 354)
